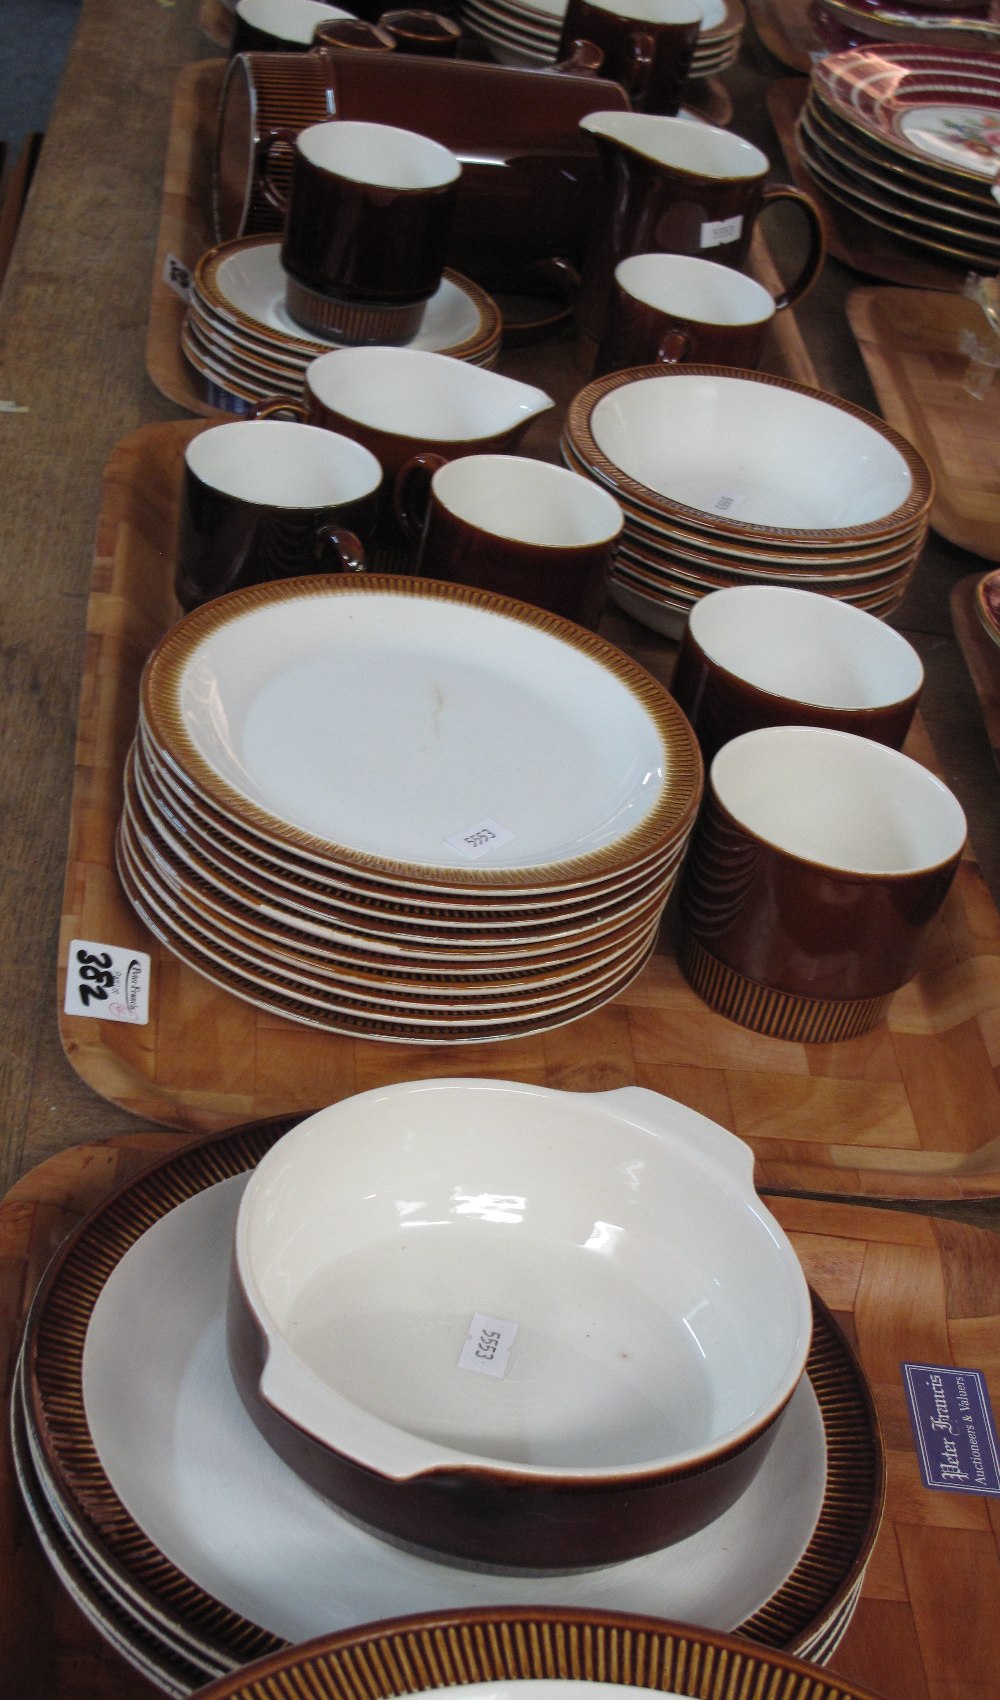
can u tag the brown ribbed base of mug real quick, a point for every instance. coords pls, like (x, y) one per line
(779, 1015)
(350, 322)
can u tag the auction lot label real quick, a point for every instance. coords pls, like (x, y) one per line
(953, 1428)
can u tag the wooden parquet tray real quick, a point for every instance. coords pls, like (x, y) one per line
(912, 1110)
(900, 1285)
(910, 343)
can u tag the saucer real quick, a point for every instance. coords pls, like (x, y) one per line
(170, 1486)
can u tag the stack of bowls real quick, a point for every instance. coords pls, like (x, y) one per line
(527, 32)
(240, 338)
(729, 477)
(403, 809)
(905, 137)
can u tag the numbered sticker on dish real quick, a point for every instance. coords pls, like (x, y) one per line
(727, 501)
(487, 1345)
(953, 1427)
(721, 230)
(177, 276)
(480, 839)
(105, 981)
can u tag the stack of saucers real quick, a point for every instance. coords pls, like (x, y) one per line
(239, 336)
(403, 809)
(527, 32)
(729, 477)
(907, 137)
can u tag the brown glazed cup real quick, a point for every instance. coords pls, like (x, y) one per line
(817, 869)
(674, 187)
(513, 526)
(647, 45)
(529, 173)
(265, 500)
(424, 33)
(675, 308)
(403, 403)
(278, 26)
(766, 655)
(367, 228)
(353, 35)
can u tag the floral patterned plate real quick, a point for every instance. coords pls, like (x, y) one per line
(937, 105)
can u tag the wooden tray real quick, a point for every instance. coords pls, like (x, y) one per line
(784, 28)
(186, 233)
(911, 1110)
(850, 239)
(909, 341)
(900, 1285)
(981, 655)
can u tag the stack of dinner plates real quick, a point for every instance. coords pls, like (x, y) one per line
(527, 32)
(193, 1547)
(403, 809)
(729, 477)
(907, 137)
(241, 339)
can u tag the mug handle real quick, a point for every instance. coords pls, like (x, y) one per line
(674, 346)
(813, 263)
(279, 406)
(583, 59)
(338, 550)
(268, 145)
(412, 492)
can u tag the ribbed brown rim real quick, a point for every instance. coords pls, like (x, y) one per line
(670, 818)
(416, 1654)
(205, 284)
(809, 1599)
(578, 430)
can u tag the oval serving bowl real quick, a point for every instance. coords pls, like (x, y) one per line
(523, 1327)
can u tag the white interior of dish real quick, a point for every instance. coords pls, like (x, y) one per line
(527, 501)
(283, 464)
(698, 149)
(658, 1307)
(292, 20)
(752, 453)
(378, 154)
(695, 289)
(652, 11)
(413, 393)
(806, 647)
(843, 801)
(391, 723)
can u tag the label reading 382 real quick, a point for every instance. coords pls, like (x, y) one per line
(108, 982)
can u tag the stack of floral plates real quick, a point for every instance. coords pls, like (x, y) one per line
(239, 336)
(730, 477)
(189, 1543)
(908, 139)
(404, 810)
(527, 32)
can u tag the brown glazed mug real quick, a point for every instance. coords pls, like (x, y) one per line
(647, 45)
(424, 33)
(353, 35)
(403, 403)
(367, 228)
(278, 26)
(674, 308)
(676, 187)
(513, 526)
(529, 173)
(816, 871)
(265, 500)
(767, 655)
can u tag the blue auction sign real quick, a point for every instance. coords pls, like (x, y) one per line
(953, 1427)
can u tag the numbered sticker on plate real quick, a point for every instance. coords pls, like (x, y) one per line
(487, 1345)
(479, 840)
(105, 981)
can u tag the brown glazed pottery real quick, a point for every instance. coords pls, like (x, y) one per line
(277, 26)
(529, 174)
(424, 33)
(515, 527)
(265, 500)
(669, 186)
(355, 34)
(766, 655)
(676, 307)
(817, 869)
(646, 47)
